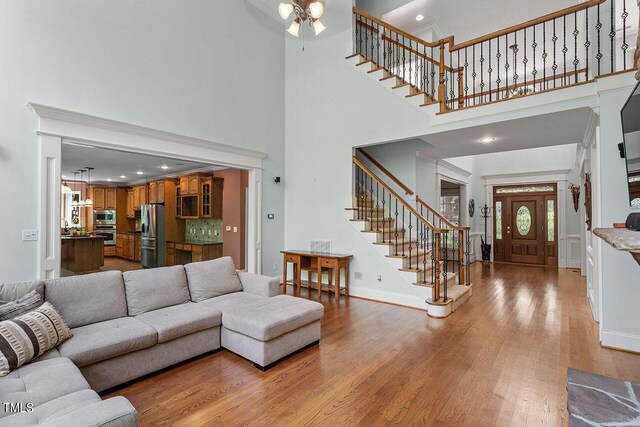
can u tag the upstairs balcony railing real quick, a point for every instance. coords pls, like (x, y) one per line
(565, 48)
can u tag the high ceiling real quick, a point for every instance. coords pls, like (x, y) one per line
(465, 19)
(111, 164)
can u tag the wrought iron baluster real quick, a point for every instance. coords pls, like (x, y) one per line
(377, 44)
(506, 65)
(575, 41)
(366, 39)
(624, 46)
(599, 28)
(489, 71)
(468, 243)
(587, 44)
(377, 208)
(451, 82)
(466, 74)
(402, 230)
(544, 56)
(473, 73)
(433, 77)
(396, 228)
(525, 60)
(384, 217)
(445, 266)
(554, 67)
(534, 46)
(404, 64)
(564, 50)
(612, 35)
(482, 72)
(515, 60)
(498, 80)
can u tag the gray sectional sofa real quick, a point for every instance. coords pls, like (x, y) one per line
(126, 325)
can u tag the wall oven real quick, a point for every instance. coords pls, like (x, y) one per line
(106, 231)
(104, 217)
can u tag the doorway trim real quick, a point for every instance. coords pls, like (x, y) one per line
(56, 126)
(559, 177)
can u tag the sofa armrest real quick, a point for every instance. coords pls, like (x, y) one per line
(114, 412)
(259, 285)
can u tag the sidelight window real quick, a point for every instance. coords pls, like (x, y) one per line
(498, 220)
(551, 221)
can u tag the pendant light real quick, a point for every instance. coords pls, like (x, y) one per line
(75, 202)
(88, 201)
(81, 202)
(65, 189)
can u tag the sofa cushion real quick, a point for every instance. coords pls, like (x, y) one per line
(180, 320)
(41, 382)
(24, 304)
(29, 336)
(155, 288)
(13, 291)
(89, 298)
(105, 340)
(210, 279)
(232, 301)
(271, 317)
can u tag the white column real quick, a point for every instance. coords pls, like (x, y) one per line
(49, 207)
(254, 232)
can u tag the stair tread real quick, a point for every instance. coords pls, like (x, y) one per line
(377, 69)
(363, 62)
(352, 56)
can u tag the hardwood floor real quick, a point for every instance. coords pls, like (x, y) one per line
(113, 263)
(501, 359)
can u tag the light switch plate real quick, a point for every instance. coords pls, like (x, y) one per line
(235, 229)
(29, 235)
(228, 228)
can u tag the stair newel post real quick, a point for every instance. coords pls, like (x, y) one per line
(462, 278)
(436, 268)
(442, 89)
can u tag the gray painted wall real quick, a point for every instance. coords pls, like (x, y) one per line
(213, 70)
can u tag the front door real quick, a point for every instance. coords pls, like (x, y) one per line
(525, 225)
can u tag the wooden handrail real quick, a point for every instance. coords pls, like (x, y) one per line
(384, 170)
(442, 218)
(396, 29)
(397, 196)
(545, 18)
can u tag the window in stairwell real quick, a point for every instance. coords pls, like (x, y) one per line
(450, 201)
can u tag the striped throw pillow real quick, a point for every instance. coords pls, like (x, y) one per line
(29, 336)
(28, 302)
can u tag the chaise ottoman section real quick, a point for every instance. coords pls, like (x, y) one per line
(269, 329)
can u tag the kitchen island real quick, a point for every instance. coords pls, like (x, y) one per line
(81, 254)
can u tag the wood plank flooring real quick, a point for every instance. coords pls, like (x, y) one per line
(501, 359)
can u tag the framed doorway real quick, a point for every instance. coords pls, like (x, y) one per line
(526, 224)
(57, 125)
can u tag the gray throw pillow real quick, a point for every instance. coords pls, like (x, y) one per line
(28, 302)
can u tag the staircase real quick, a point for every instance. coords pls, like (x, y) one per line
(428, 251)
(566, 48)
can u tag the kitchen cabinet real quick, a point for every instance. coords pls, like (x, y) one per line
(120, 238)
(139, 196)
(156, 192)
(111, 198)
(131, 213)
(205, 202)
(153, 192)
(129, 246)
(184, 253)
(98, 199)
(104, 198)
(109, 251)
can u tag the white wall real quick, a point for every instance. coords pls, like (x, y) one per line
(620, 273)
(326, 115)
(213, 70)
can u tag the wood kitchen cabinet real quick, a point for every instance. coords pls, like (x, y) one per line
(205, 201)
(184, 253)
(120, 238)
(104, 198)
(111, 199)
(131, 213)
(139, 196)
(156, 192)
(129, 246)
(98, 198)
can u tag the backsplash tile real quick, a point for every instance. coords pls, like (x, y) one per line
(203, 231)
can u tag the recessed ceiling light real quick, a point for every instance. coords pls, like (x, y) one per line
(419, 18)
(164, 167)
(487, 140)
(139, 172)
(122, 176)
(109, 180)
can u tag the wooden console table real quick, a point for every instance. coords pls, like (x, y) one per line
(317, 261)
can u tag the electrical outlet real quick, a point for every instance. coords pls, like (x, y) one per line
(228, 228)
(357, 275)
(29, 235)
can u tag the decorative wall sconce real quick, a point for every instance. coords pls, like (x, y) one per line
(575, 191)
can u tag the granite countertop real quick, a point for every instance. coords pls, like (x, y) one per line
(91, 236)
(622, 240)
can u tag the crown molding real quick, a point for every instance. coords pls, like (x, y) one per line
(67, 116)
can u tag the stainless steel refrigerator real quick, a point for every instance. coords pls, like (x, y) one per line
(153, 240)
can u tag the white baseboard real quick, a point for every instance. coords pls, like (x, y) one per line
(388, 297)
(620, 341)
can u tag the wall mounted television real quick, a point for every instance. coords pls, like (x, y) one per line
(631, 134)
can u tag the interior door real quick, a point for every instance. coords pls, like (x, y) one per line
(524, 238)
